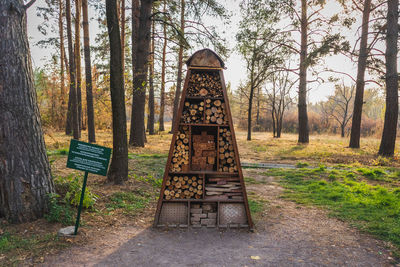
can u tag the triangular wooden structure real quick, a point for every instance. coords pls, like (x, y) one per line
(203, 180)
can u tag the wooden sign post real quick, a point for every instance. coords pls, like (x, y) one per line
(203, 181)
(88, 158)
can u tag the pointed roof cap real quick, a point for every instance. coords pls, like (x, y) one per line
(205, 58)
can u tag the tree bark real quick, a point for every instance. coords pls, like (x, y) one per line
(258, 107)
(88, 74)
(78, 61)
(302, 101)
(249, 112)
(388, 141)
(273, 122)
(62, 54)
(150, 118)
(72, 116)
(279, 126)
(360, 83)
(180, 64)
(24, 167)
(137, 135)
(162, 93)
(118, 171)
(123, 18)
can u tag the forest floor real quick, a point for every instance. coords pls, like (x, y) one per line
(303, 216)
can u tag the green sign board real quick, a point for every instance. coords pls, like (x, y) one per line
(88, 157)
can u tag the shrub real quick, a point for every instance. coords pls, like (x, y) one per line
(59, 211)
(71, 187)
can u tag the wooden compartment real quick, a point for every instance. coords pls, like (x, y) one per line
(193, 111)
(184, 187)
(203, 214)
(204, 83)
(204, 146)
(181, 148)
(203, 182)
(220, 188)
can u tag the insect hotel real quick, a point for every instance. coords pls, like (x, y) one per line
(203, 182)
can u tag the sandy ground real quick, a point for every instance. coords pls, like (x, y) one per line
(286, 235)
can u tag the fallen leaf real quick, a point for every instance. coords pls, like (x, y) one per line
(255, 257)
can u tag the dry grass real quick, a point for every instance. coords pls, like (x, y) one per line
(321, 149)
(262, 148)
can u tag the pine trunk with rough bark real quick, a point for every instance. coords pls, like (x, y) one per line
(302, 101)
(137, 135)
(150, 118)
(360, 83)
(24, 167)
(118, 171)
(123, 18)
(180, 64)
(88, 74)
(162, 93)
(388, 141)
(62, 54)
(72, 115)
(78, 61)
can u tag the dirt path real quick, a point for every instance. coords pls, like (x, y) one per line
(286, 235)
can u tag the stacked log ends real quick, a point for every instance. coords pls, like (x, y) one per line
(215, 112)
(204, 152)
(180, 187)
(180, 156)
(226, 152)
(205, 84)
(193, 112)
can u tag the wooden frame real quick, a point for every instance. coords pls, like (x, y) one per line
(215, 66)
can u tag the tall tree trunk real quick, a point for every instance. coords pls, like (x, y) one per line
(135, 33)
(24, 168)
(163, 66)
(278, 126)
(273, 122)
(388, 141)
(137, 135)
(88, 74)
(134, 39)
(258, 107)
(302, 105)
(150, 118)
(249, 112)
(360, 83)
(123, 18)
(118, 171)
(78, 60)
(62, 54)
(162, 93)
(180, 64)
(342, 129)
(73, 107)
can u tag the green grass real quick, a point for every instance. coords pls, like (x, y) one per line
(58, 152)
(148, 164)
(250, 180)
(14, 245)
(130, 202)
(257, 205)
(347, 194)
(302, 164)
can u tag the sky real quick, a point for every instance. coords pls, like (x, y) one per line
(236, 70)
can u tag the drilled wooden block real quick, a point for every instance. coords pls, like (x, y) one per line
(173, 213)
(232, 213)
